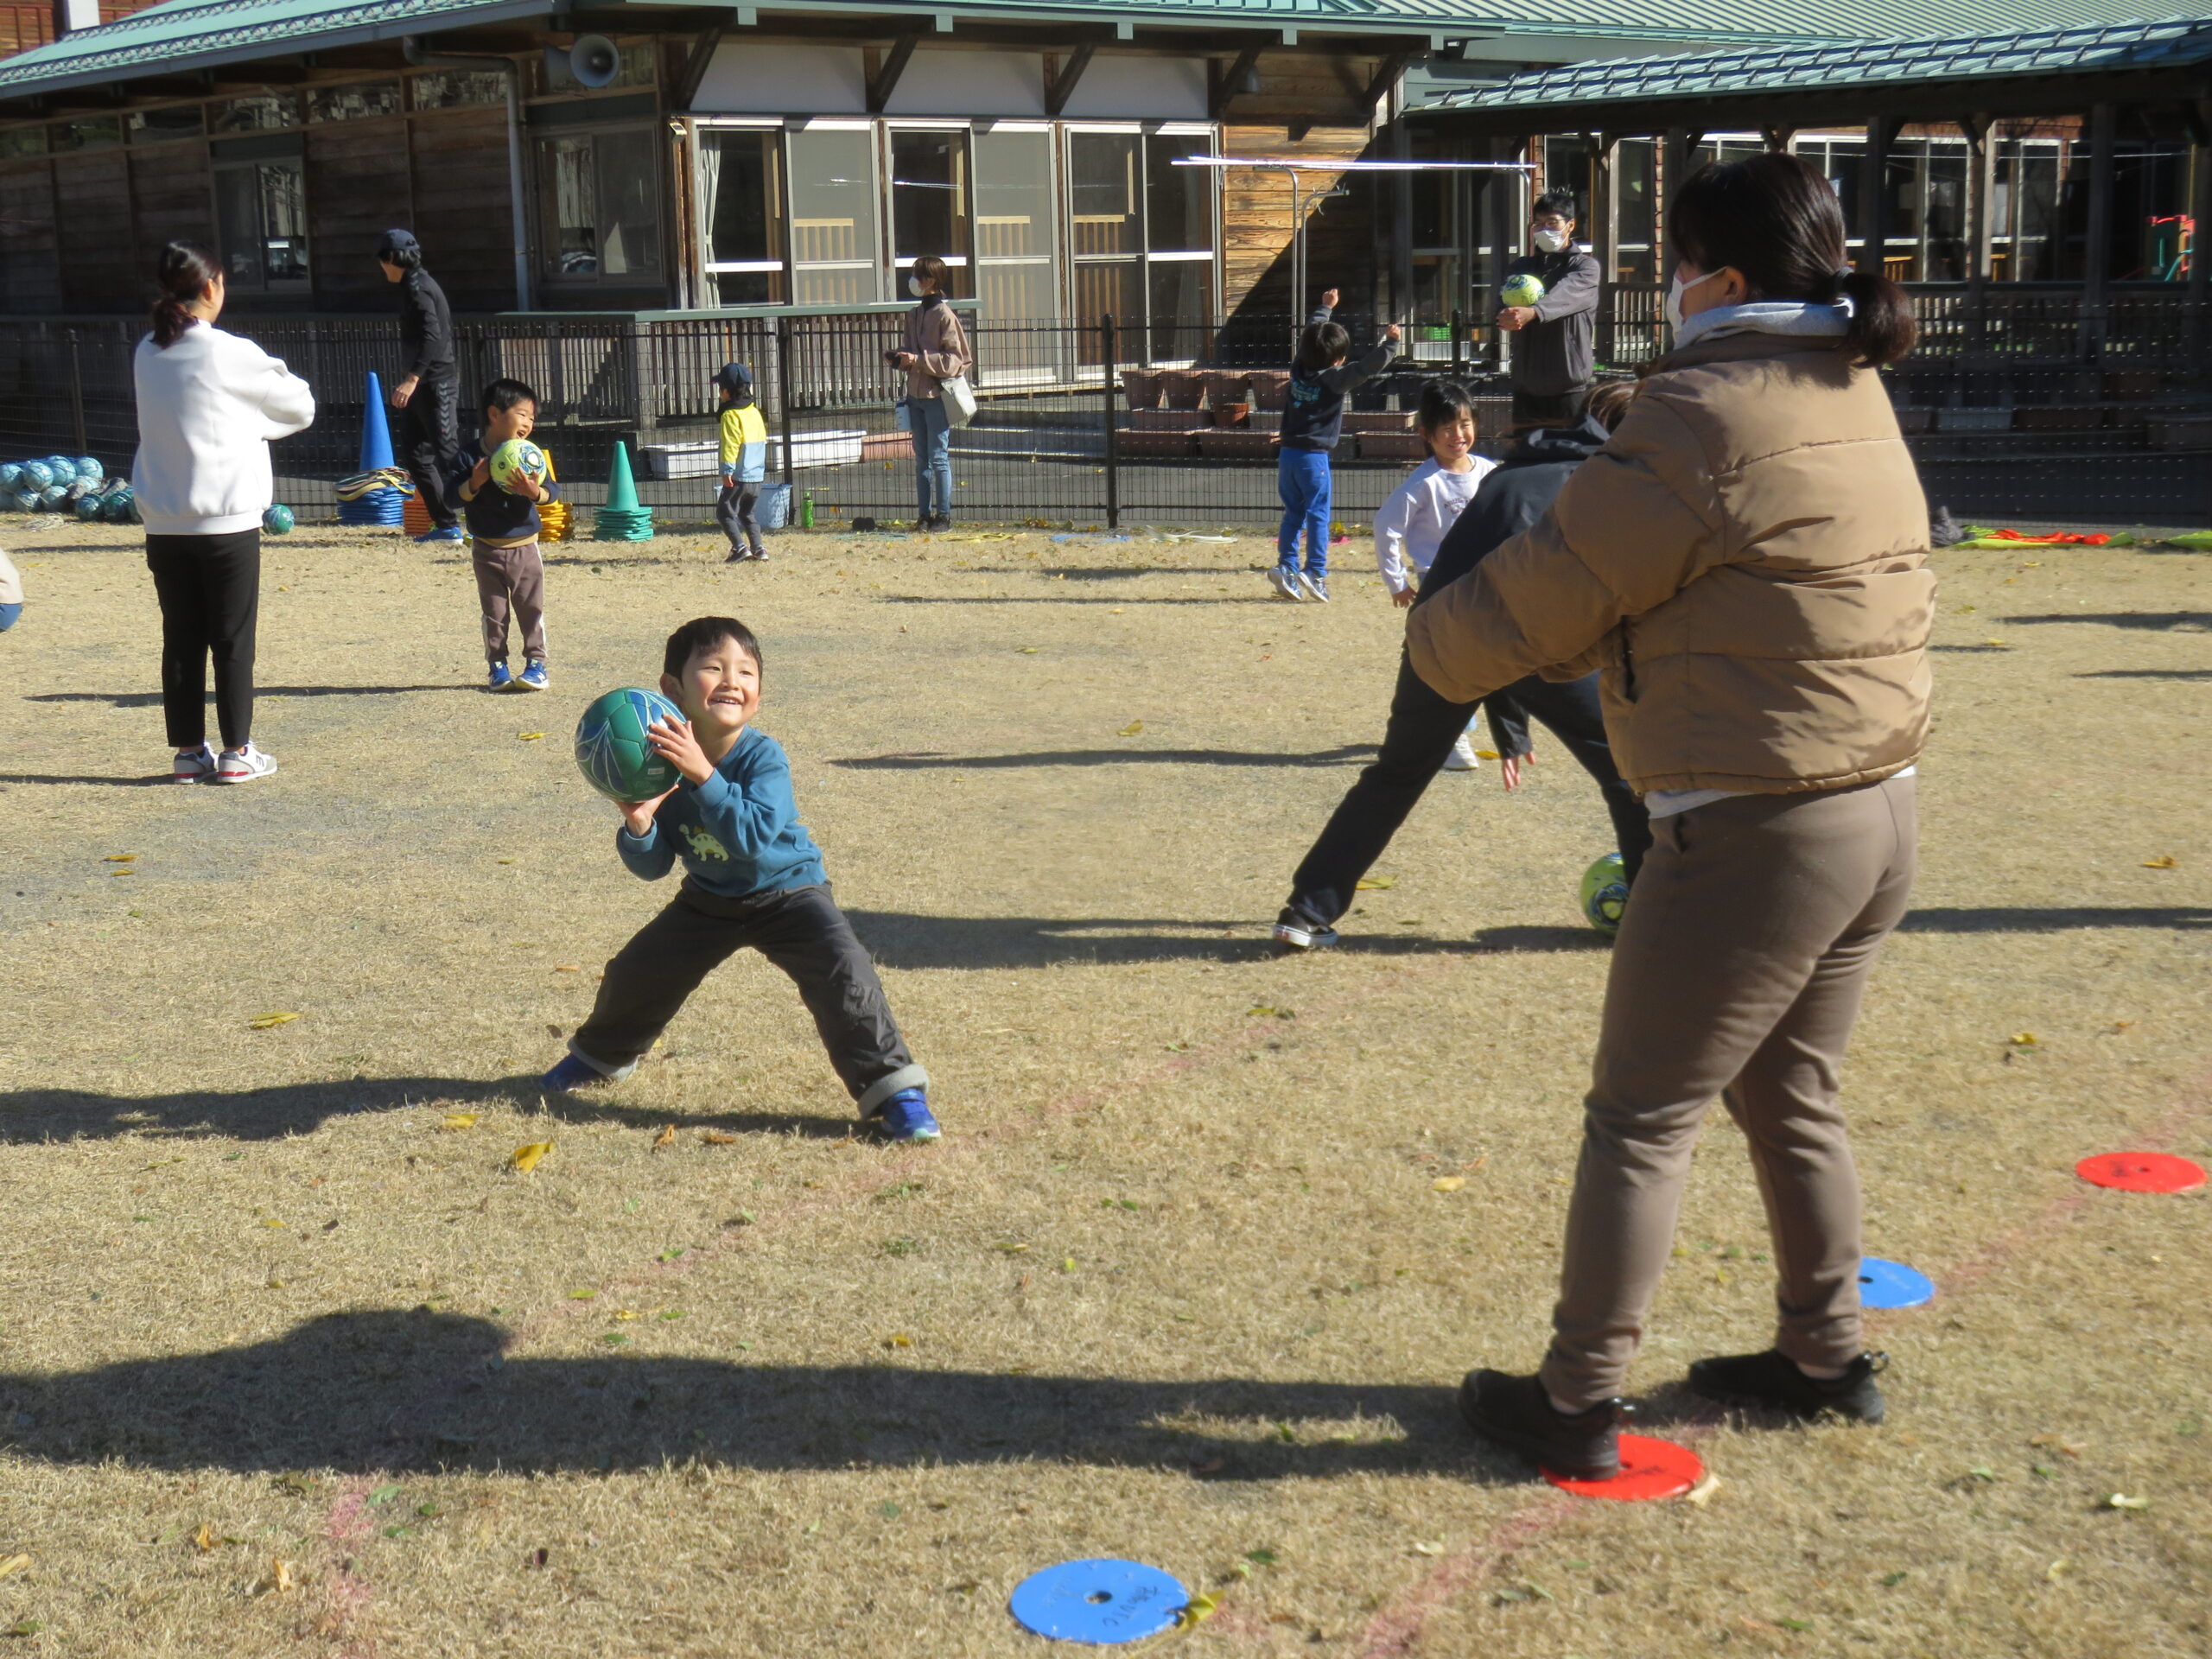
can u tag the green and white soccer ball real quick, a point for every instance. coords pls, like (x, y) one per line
(1604, 894)
(1524, 289)
(612, 750)
(515, 460)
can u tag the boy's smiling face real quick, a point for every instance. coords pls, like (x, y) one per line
(719, 692)
(500, 425)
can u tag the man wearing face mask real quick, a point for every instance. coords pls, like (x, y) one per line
(1554, 341)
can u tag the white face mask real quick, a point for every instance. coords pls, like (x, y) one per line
(1676, 289)
(1550, 241)
(914, 287)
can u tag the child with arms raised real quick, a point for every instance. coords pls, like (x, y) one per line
(1312, 421)
(752, 876)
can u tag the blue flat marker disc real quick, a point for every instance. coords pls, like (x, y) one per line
(1892, 1284)
(1103, 1602)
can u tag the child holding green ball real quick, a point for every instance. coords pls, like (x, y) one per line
(503, 526)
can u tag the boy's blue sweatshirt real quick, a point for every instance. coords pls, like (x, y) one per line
(496, 515)
(1313, 412)
(738, 833)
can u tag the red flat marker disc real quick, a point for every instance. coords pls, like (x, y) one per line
(1649, 1469)
(2141, 1171)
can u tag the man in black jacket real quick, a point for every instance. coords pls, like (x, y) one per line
(1423, 725)
(428, 397)
(1555, 339)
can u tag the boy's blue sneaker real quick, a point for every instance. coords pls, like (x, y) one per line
(499, 678)
(1284, 578)
(571, 1075)
(443, 533)
(906, 1118)
(1316, 587)
(533, 677)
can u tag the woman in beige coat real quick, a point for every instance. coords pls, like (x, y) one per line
(933, 351)
(1746, 562)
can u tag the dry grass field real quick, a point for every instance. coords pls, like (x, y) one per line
(292, 1360)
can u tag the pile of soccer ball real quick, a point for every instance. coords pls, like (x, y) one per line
(61, 483)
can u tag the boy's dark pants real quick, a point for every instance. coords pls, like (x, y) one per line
(734, 512)
(801, 931)
(1415, 744)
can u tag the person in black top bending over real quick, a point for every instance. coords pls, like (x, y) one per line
(1423, 725)
(428, 397)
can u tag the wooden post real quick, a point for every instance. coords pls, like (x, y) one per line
(1981, 178)
(1606, 209)
(1109, 381)
(1401, 220)
(2199, 336)
(1874, 193)
(1676, 149)
(2096, 255)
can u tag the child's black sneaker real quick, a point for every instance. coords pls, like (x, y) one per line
(1294, 932)
(1771, 1381)
(1514, 1412)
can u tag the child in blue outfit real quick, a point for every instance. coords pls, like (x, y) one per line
(1313, 419)
(745, 462)
(752, 876)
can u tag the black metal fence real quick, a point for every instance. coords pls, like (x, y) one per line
(2021, 404)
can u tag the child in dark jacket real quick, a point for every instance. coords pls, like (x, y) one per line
(1313, 419)
(502, 526)
(752, 876)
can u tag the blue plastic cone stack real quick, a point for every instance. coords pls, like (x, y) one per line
(622, 519)
(382, 504)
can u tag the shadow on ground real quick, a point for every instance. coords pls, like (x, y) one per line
(2161, 622)
(937, 760)
(384, 1389)
(2147, 674)
(153, 699)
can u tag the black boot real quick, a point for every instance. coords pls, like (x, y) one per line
(1774, 1382)
(1515, 1413)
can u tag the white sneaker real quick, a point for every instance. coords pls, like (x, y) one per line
(1286, 583)
(242, 765)
(192, 765)
(1463, 757)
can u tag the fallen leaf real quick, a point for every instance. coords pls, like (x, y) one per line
(2022, 1040)
(2121, 1024)
(266, 1021)
(567, 968)
(1201, 1608)
(1702, 1492)
(581, 1295)
(664, 1137)
(1374, 884)
(1999, 643)
(460, 1120)
(526, 1158)
(119, 858)
(280, 1575)
(2162, 861)
(1428, 1549)
(14, 1564)
(270, 1221)
(719, 1138)
(204, 1540)
(2121, 1500)
(627, 1313)
(2056, 1443)
(2056, 1570)
(1485, 754)
(528, 737)
(1012, 1249)
(1448, 1183)
(1028, 651)
(1261, 1557)
(898, 1340)
(1131, 729)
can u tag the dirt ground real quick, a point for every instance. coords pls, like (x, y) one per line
(292, 1360)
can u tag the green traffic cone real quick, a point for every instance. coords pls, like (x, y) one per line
(621, 488)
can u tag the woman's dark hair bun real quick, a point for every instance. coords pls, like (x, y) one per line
(181, 276)
(1775, 220)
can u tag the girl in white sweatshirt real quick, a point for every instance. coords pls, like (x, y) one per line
(1411, 524)
(208, 404)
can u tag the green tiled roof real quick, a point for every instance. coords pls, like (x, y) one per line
(185, 34)
(1815, 66)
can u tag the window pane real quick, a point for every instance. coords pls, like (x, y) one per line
(1179, 200)
(355, 102)
(629, 202)
(1115, 285)
(456, 89)
(739, 184)
(1017, 292)
(1633, 162)
(835, 248)
(928, 196)
(283, 223)
(1013, 195)
(92, 134)
(748, 286)
(1102, 192)
(180, 121)
(1182, 290)
(238, 225)
(572, 204)
(22, 141)
(259, 112)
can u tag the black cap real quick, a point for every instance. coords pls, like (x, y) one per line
(397, 241)
(737, 380)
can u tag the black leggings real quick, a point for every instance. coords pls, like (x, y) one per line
(1415, 745)
(210, 592)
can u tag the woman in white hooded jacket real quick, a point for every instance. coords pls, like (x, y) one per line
(208, 404)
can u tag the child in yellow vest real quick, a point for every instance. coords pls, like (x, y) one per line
(745, 462)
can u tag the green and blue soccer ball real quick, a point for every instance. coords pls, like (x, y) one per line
(515, 460)
(1604, 894)
(277, 519)
(1524, 289)
(612, 750)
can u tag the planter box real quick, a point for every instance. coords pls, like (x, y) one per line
(1270, 387)
(1231, 413)
(1142, 390)
(2133, 382)
(1264, 420)
(1916, 420)
(1234, 444)
(680, 460)
(1154, 446)
(1974, 420)
(1227, 389)
(836, 448)
(2061, 417)
(1378, 420)
(1169, 420)
(1182, 388)
(1392, 446)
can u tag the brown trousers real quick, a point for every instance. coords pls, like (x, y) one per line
(510, 579)
(1741, 962)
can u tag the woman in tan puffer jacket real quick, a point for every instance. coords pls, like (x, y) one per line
(1746, 562)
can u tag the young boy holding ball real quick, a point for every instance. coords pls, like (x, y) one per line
(752, 876)
(503, 527)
